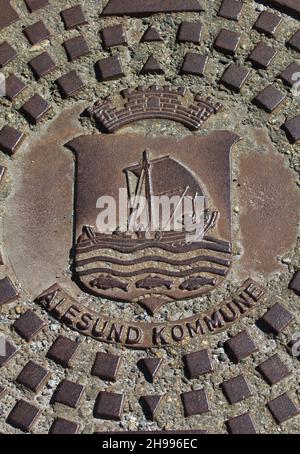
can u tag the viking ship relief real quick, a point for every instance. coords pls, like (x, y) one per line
(146, 265)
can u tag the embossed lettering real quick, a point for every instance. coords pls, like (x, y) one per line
(242, 303)
(177, 333)
(58, 310)
(134, 335)
(255, 292)
(85, 323)
(158, 337)
(115, 333)
(64, 308)
(195, 329)
(97, 331)
(214, 321)
(71, 314)
(229, 317)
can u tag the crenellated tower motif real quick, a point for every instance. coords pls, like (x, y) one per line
(154, 102)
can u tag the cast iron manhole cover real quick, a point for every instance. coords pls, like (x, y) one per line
(150, 202)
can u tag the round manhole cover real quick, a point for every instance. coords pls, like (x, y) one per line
(150, 202)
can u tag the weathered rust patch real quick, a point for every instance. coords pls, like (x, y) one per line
(38, 213)
(269, 205)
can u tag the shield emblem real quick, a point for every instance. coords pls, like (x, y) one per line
(143, 266)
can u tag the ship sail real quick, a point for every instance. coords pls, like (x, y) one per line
(157, 178)
(169, 177)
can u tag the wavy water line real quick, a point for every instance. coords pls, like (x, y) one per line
(156, 271)
(160, 259)
(181, 256)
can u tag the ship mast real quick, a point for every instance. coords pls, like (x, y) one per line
(148, 187)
